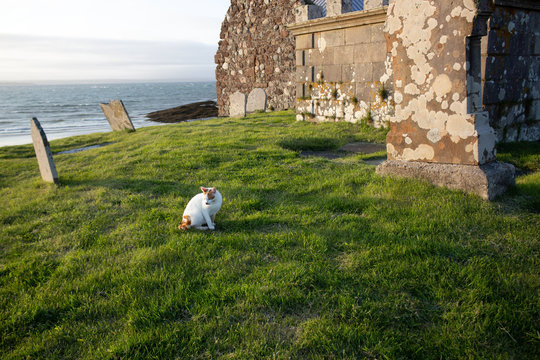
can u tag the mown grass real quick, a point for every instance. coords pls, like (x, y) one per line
(312, 258)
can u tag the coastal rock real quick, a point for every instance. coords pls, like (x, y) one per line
(256, 100)
(43, 152)
(117, 115)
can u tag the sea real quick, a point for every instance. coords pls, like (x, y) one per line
(67, 110)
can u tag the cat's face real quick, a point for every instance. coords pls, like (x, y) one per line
(209, 195)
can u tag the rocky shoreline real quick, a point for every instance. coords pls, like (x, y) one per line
(198, 110)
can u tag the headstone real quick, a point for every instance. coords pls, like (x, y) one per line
(237, 106)
(43, 152)
(256, 100)
(117, 115)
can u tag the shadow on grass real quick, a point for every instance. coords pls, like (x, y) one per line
(524, 155)
(152, 187)
(310, 144)
(17, 152)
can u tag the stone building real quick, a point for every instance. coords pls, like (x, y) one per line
(450, 78)
(329, 59)
(343, 65)
(256, 50)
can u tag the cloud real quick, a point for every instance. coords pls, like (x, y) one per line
(31, 58)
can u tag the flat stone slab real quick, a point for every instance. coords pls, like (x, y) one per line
(43, 152)
(117, 115)
(237, 106)
(363, 148)
(488, 180)
(256, 100)
(74, 151)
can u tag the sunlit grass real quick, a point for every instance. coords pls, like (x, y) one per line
(311, 258)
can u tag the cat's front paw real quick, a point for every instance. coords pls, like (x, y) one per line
(211, 227)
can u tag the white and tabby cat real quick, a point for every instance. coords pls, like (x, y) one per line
(201, 210)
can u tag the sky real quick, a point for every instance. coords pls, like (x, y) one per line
(114, 40)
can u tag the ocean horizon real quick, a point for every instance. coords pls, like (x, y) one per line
(73, 109)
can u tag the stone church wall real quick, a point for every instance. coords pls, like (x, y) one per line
(331, 62)
(343, 69)
(257, 51)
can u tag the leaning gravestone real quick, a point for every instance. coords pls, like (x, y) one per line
(237, 107)
(43, 152)
(117, 115)
(256, 100)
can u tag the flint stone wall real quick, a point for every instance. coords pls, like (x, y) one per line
(257, 51)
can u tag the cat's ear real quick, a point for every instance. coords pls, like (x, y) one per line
(204, 190)
(213, 190)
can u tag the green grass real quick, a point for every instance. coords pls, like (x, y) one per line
(311, 259)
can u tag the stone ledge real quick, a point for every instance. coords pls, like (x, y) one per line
(523, 4)
(344, 21)
(488, 180)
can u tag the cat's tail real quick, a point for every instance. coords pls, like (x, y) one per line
(186, 223)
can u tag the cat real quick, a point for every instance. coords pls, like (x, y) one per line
(201, 210)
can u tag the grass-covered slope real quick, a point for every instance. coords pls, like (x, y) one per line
(311, 258)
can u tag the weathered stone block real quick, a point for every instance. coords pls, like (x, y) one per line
(347, 73)
(300, 58)
(379, 69)
(377, 33)
(43, 152)
(256, 100)
(536, 44)
(301, 90)
(117, 115)
(328, 56)
(530, 132)
(315, 57)
(363, 72)
(535, 110)
(302, 74)
(488, 181)
(304, 42)
(358, 35)
(376, 52)
(343, 55)
(364, 91)
(360, 53)
(333, 38)
(237, 104)
(332, 73)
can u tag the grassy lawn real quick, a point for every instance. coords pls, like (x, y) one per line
(311, 258)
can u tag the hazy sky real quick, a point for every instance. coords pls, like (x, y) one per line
(63, 40)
